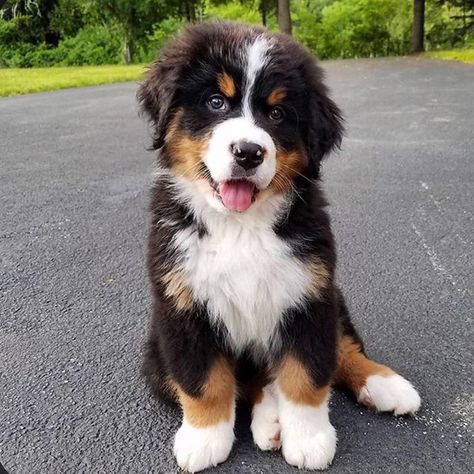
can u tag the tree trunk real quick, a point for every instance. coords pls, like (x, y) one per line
(418, 33)
(263, 12)
(190, 11)
(284, 16)
(128, 50)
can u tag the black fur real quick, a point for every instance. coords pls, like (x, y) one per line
(183, 345)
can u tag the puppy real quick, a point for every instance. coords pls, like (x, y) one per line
(241, 256)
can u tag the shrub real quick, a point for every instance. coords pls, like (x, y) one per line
(20, 29)
(234, 11)
(162, 32)
(354, 28)
(17, 55)
(92, 45)
(441, 31)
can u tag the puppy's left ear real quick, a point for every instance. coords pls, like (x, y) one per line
(326, 128)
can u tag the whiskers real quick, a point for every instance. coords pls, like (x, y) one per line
(195, 172)
(284, 165)
(282, 183)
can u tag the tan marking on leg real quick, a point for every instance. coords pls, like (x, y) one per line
(226, 85)
(354, 367)
(297, 386)
(177, 289)
(320, 277)
(216, 401)
(276, 96)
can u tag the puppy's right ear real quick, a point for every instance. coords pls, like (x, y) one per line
(157, 95)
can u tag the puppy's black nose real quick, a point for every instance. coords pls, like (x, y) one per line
(248, 155)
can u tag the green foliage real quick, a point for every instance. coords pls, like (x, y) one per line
(444, 25)
(237, 11)
(81, 32)
(353, 28)
(162, 32)
(136, 19)
(17, 30)
(68, 17)
(92, 45)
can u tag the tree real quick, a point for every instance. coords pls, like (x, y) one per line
(466, 15)
(136, 19)
(38, 13)
(265, 7)
(189, 10)
(68, 17)
(418, 32)
(284, 16)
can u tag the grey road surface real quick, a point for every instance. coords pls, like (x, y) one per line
(74, 180)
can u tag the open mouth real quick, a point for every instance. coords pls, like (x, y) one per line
(236, 194)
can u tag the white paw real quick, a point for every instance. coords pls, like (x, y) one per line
(196, 449)
(312, 450)
(308, 440)
(265, 426)
(390, 393)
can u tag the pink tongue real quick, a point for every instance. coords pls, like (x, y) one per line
(236, 195)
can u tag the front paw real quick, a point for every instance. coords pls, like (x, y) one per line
(265, 426)
(266, 434)
(196, 449)
(313, 448)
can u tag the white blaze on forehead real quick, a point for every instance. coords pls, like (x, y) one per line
(219, 158)
(257, 57)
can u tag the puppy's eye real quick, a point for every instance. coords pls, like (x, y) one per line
(217, 102)
(276, 114)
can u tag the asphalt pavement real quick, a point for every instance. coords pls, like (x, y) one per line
(74, 180)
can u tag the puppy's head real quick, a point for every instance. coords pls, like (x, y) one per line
(240, 112)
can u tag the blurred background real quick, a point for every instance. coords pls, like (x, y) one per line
(51, 33)
(74, 180)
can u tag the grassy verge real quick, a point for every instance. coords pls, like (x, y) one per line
(464, 55)
(24, 81)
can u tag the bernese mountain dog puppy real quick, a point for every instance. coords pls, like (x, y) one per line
(241, 256)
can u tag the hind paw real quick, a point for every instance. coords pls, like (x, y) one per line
(390, 393)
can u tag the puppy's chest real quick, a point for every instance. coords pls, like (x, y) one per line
(247, 277)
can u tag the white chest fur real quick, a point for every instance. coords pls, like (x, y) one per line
(244, 272)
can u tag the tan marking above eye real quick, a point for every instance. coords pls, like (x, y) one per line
(276, 96)
(226, 85)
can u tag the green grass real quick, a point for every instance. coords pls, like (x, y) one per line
(24, 81)
(464, 55)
